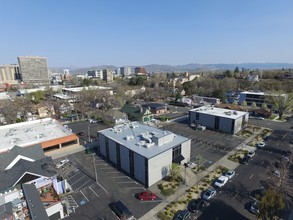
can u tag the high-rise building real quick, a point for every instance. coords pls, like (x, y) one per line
(34, 69)
(107, 75)
(95, 74)
(9, 73)
(125, 71)
(140, 71)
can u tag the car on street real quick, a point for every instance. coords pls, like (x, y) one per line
(250, 154)
(260, 118)
(196, 205)
(146, 195)
(182, 215)
(254, 208)
(209, 194)
(261, 144)
(62, 163)
(121, 211)
(230, 174)
(244, 160)
(221, 181)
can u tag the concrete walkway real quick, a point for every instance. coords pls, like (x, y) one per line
(191, 181)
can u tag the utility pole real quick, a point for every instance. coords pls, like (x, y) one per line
(95, 170)
(89, 132)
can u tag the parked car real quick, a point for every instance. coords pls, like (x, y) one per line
(244, 160)
(230, 174)
(182, 215)
(254, 208)
(277, 173)
(221, 181)
(81, 133)
(261, 144)
(267, 138)
(62, 163)
(250, 154)
(121, 211)
(196, 205)
(209, 194)
(92, 120)
(146, 195)
(259, 118)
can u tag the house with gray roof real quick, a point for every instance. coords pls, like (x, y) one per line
(39, 173)
(144, 152)
(11, 157)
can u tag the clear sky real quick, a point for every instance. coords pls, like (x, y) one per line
(140, 32)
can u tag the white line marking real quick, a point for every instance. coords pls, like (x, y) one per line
(135, 187)
(103, 188)
(83, 184)
(128, 182)
(77, 180)
(94, 192)
(114, 177)
(84, 195)
(72, 199)
(251, 176)
(74, 175)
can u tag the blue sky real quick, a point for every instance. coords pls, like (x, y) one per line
(136, 32)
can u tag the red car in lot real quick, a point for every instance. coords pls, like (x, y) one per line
(146, 196)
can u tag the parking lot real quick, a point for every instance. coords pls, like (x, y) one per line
(207, 146)
(94, 197)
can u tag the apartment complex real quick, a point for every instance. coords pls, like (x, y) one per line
(9, 73)
(34, 69)
(219, 119)
(107, 75)
(144, 152)
(95, 74)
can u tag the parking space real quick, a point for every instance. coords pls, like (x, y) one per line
(207, 146)
(79, 180)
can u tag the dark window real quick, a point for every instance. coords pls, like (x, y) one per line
(217, 122)
(131, 163)
(107, 148)
(232, 126)
(176, 152)
(197, 116)
(146, 171)
(118, 155)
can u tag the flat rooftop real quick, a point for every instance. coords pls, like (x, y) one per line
(224, 113)
(143, 139)
(32, 132)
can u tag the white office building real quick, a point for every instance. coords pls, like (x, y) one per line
(145, 153)
(219, 119)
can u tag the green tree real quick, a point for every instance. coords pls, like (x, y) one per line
(271, 205)
(227, 73)
(264, 106)
(282, 103)
(253, 105)
(174, 171)
(244, 104)
(236, 70)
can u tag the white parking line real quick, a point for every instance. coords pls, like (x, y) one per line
(128, 182)
(103, 188)
(84, 195)
(83, 184)
(116, 177)
(94, 192)
(74, 175)
(72, 199)
(77, 180)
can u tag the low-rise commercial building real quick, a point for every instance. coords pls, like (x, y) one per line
(47, 132)
(145, 153)
(219, 119)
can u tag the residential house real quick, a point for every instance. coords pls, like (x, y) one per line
(156, 108)
(137, 113)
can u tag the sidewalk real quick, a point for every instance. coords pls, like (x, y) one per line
(224, 161)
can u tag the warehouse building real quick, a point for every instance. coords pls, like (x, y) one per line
(145, 153)
(219, 119)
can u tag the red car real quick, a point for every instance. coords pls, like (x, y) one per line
(146, 196)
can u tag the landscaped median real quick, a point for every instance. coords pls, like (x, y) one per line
(193, 192)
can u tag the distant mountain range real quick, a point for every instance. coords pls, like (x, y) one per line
(192, 67)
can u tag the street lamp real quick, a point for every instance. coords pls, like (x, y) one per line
(95, 170)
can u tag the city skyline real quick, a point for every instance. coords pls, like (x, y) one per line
(128, 33)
